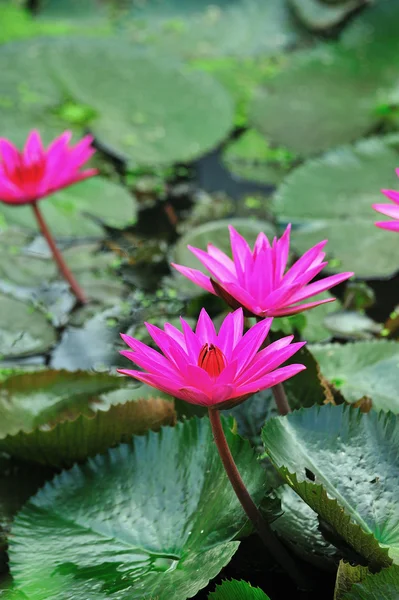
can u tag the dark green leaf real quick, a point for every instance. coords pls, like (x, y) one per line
(382, 586)
(154, 518)
(344, 464)
(237, 590)
(347, 575)
(319, 15)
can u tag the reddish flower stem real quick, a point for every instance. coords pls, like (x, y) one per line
(272, 543)
(64, 270)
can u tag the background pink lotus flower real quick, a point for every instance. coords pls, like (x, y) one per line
(36, 172)
(210, 369)
(256, 279)
(390, 210)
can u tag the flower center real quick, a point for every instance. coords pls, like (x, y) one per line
(212, 360)
(24, 174)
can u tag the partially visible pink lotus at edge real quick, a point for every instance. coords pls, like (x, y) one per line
(209, 368)
(389, 210)
(258, 280)
(36, 172)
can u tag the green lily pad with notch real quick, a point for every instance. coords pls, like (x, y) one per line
(237, 590)
(344, 464)
(331, 197)
(365, 368)
(152, 518)
(319, 15)
(197, 29)
(251, 157)
(216, 233)
(151, 110)
(380, 586)
(347, 576)
(58, 418)
(68, 211)
(24, 330)
(18, 268)
(299, 527)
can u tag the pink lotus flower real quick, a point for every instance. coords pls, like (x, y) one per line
(256, 279)
(37, 172)
(210, 369)
(390, 210)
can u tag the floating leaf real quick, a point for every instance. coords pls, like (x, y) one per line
(344, 464)
(68, 212)
(203, 29)
(331, 197)
(217, 233)
(316, 329)
(237, 590)
(319, 15)
(299, 526)
(150, 110)
(250, 157)
(151, 518)
(23, 329)
(54, 417)
(367, 368)
(381, 586)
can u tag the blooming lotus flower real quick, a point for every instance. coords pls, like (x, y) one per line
(36, 172)
(208, 368)
(390, 210)
(258, 280)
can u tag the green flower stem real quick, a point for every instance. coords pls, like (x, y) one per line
(64, 270)
(264, 530)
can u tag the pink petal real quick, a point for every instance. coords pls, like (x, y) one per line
(176, 334)
(216, 268)
(320, 286)
(293, 310)
(269, 364)
(205, 330)
(230, 332)
(220, 256)
(242, 254)
(281, 255)
(193, 395)
(303, 263)
(392, 195)
(199, 378)
(243, 297)
(169, 347)
(250, 343)
(270, 379)
(10, 156)
(196, 277)
(279, 298)
(33, 150)
(193, 344)
(388, 210)
(163, 384)
(389, 225)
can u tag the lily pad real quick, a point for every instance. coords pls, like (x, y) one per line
(316, 329)
(344, 464)
(58, 418)
(366, 368)
(154, 517)
(217, 233)
(23, 329)
(79, 210)
(237, 590)
(210, 29)
(331, 197)
(150, 109)
(381, 586)
(319, 15)
(251, 157)
(347, 576)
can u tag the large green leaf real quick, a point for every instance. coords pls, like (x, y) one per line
(237, 590)
(23, 329)
(220, 28)
(347, 576)
(344, 464)
(299, 527)
(367, 368)
(58, 418)
(149, 109)
(154, 518)
(331, 198)
(323, 98)
(68, 212)
(319, 15)
(217, 233)
(382, 586)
